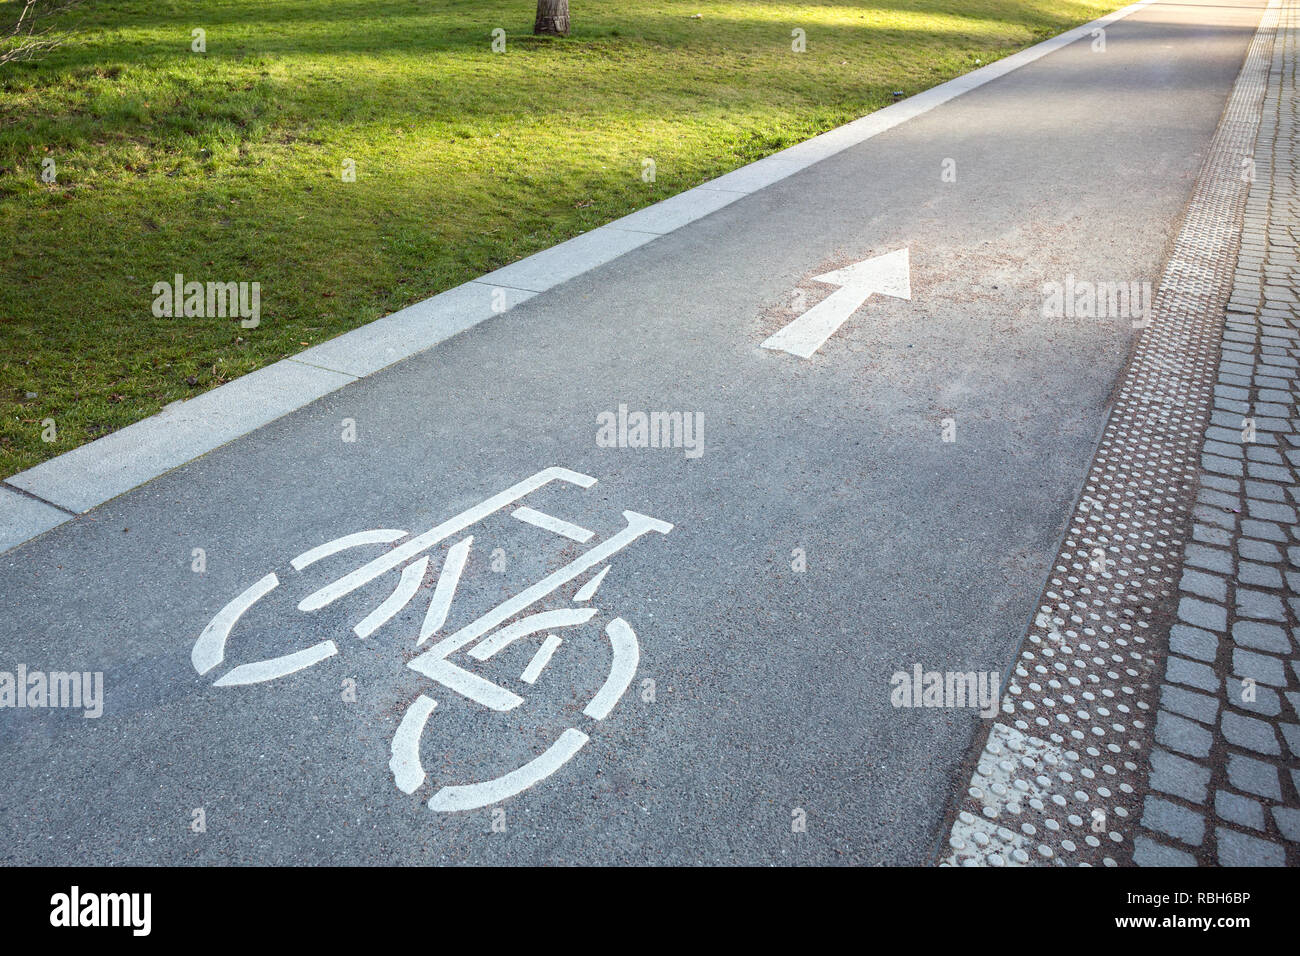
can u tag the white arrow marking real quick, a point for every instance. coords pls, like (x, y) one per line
(889, 274)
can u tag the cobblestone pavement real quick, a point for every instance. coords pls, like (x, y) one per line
(1151, 715)
(1225, 772)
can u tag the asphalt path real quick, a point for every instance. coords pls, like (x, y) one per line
(824, 537)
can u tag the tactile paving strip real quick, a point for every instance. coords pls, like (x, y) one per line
(1059, 778)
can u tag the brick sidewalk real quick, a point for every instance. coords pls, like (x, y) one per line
(1225, 773)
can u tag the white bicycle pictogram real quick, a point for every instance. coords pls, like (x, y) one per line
(481, 639)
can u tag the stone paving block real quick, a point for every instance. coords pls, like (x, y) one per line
(1228, 392)
(1263, 491)
(1179, 776)
(1208, 534)
(1250, 733)
(1179, 670)
(1220, 483)
(1291, 733)
(1217, 499)
(1261, 636)
(1268, 472)
(1180, 734)
(1260, 604)
(1223, 449)
(1253, 550)
(1204, 585)
(1222, 466)
(1193, 642)
(1268, 456)
(1202, 614)
(1235, 808)
(1270, 405)
(1275, 403)
(1254, 776)
(1261, 700)
(1259, 575)
(1213, 559)
(1252, 528)
(1189, 703)
(1265, 670)
(1228, 435)
(1215, 516)
(1241, 849)
(1272, 424)
(1233, 424)
(1173, 820)
(1288, 822)
(1147, 852)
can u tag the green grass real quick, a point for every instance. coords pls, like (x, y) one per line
(226, 165)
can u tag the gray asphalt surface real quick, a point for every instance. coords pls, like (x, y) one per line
(771, 687)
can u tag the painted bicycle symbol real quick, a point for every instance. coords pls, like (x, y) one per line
(480, 639)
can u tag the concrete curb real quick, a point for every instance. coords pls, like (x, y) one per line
(75, 482)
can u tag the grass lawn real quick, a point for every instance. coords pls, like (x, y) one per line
(226, 165)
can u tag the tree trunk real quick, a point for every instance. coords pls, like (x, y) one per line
(552, 18)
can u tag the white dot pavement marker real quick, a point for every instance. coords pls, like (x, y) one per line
(79, 480)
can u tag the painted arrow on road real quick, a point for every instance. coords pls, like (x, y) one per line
(889, 274)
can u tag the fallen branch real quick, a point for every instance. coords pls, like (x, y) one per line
(33, 33)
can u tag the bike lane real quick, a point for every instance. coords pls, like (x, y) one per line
(825, 536)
